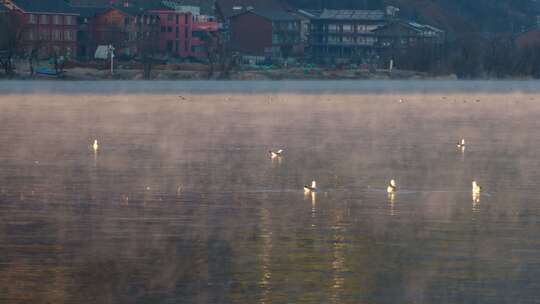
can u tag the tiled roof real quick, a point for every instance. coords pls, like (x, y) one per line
(229, 8)
(374, 15)
(274, 15)
(89, 11)
(44, 6)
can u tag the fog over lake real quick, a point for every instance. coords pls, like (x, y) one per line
(182, 202)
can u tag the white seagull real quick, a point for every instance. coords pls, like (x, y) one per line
(391, 187)
(311, 188)
(275, 154)
(476, 188)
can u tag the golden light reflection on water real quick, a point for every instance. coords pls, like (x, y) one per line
(339, 266)
(265, 257)
(476, 202)
(391, 203)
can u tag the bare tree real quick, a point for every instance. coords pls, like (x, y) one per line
(12, 32)
(147, 42)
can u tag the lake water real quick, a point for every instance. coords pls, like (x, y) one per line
(182, 203)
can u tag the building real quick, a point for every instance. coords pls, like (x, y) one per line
(269, 33)
(50, 26)
(529, 39)
(344, 34)
(86, 34)
(175, 28)
(225, 9)
(400, 34)
(130, 29)
(202, 33)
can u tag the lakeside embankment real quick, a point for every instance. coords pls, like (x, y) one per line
(201, 72)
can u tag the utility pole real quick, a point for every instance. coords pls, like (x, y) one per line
(111, 53)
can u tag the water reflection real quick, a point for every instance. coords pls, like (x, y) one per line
(391, 203)
(475, 202)
(265, 257)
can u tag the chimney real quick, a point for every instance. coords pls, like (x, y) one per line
(126, 3)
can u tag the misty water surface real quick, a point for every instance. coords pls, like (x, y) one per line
(182, 203)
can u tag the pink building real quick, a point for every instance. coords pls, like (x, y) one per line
(174, 32)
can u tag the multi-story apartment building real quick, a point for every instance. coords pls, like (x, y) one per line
(270, 33)
(343, 33)
(128, 28)
(50, 26)
(174, 31)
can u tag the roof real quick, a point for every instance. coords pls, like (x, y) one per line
(374, 15)
(89, 11)
(229, 8)
(207, 6)
(44, 6)
(272, 15)
(423, 27)
(418, 27)
(132, 10)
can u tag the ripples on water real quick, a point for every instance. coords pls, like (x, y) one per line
(182, 203)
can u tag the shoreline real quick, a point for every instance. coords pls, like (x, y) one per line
(308, 87)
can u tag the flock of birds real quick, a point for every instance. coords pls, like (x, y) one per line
(391, 188)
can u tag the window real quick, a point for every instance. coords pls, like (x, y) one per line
(186, 33)
(163, 29)
(169, 29)
(126, 20)
(332, 28)
(44, 34)
(177, 20)
(32, 19)
(170, 17)
(348, 39)
(69, 20)
(169, 45)
(56, 35)
(177, 32)
(44, 19)
(186, 20)
(68, 35)
(361, 28)
(56, 19)
(176, 46)
(68, 51)
(347, 28)
(31, 35)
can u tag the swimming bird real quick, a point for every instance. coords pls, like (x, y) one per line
(461, 144)
(95, 146)
(391, 187)
(311, 188)
(275, 154)
(476, 188)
